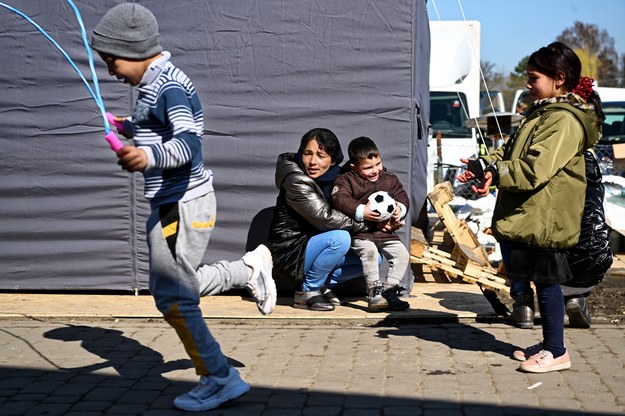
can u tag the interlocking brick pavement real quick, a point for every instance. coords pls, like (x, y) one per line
(69, 366)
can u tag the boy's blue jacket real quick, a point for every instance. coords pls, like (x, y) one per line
(169, 125)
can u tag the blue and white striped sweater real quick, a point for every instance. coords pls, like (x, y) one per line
(169, 124)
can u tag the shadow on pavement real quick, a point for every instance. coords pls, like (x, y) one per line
(137, 385)
(466, 337)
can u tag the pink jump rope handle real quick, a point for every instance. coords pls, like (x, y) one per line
(120, 126)
(111, 137)
(114, 141)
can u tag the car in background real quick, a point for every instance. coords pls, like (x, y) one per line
(522, 99)
(612, 132)
(491, 102)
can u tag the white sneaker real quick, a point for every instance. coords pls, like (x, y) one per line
(261, 285)
(212, 392)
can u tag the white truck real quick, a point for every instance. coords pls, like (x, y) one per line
(454, 96)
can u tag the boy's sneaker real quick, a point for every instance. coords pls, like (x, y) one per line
(577, 311)
(375, 300)
(525, 354)
(543, 362)
(391, 294)
(213, 391)
(331, 296)
(261, 285)
(312, 300)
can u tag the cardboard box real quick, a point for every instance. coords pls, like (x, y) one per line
(619, 150)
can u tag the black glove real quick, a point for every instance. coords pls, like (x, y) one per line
(476, 167)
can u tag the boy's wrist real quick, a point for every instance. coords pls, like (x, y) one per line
(403, 210)
(360, 213)
(150, 154)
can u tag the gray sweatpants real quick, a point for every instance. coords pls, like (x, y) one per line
(178, 235)
(394, 251)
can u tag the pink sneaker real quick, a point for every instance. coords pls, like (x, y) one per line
(543, 362)
(524, 354)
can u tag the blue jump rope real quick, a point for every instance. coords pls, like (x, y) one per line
(108, 118)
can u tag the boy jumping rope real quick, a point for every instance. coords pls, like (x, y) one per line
(167, 126)
(350, 193)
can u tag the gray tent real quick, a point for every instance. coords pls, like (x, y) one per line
(267, 71)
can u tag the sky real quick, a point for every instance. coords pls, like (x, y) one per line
(513, 29)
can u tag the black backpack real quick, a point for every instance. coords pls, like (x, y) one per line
(591, 258)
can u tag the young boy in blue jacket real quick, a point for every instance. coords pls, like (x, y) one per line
(167, 126)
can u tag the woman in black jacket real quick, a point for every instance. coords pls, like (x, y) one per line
(309, 240)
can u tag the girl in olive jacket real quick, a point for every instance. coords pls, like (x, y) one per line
(540, 176)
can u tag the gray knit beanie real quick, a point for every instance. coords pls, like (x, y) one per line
(128, 30)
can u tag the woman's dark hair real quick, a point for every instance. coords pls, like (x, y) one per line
(361, 148)
(328, 142)
(557, 58)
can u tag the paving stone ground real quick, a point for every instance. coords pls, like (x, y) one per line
(70, 366)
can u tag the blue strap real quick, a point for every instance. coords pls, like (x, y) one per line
(95, 92)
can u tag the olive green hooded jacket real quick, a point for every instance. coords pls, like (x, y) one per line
(541, 174)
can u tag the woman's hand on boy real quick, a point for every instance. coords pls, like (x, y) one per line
(385, 226)
(389, 226)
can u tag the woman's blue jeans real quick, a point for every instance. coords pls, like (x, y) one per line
(328, 260)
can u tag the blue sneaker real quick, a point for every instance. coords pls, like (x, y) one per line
(212, 392)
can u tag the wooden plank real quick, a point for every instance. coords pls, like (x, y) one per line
(468, 259)
(471, 273)
(463, 237)
(418, 242)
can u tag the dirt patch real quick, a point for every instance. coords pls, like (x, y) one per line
(607, 301)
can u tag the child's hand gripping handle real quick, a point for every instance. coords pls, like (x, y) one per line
(120, 126)
(114, 141)
(111, 137)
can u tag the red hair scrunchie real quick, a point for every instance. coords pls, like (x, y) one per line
(584, 87)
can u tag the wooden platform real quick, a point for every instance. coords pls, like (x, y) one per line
(457, 252)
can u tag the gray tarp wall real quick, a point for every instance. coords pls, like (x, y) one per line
(267, 71)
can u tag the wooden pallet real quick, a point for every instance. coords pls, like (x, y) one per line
(468, 259)
(466, 245)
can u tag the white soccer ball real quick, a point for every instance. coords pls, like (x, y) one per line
(382, 203)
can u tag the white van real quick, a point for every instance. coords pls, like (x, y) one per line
(491, 102)
(523, 97)
(613, 129)
(609, 94)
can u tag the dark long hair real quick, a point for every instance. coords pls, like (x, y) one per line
(329, 143)
(557, 58)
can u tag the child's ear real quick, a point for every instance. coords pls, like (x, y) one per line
(560, 79)
(352, 166)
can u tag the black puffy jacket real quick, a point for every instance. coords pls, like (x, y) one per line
(301, 212)
(591, 258)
